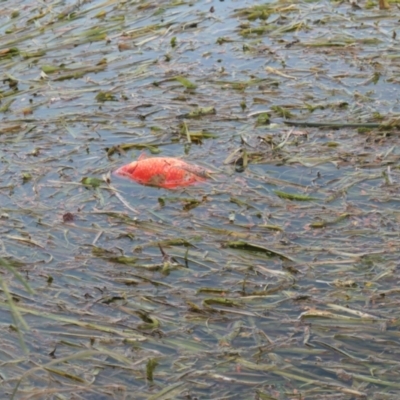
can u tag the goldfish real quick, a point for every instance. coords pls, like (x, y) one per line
(164, 172)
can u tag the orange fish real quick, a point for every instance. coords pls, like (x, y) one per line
(165, 172)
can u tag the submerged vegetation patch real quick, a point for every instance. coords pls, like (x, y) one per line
(275, 278)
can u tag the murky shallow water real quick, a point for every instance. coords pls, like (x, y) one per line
(258, 288)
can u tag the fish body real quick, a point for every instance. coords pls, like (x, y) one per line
(165, 172)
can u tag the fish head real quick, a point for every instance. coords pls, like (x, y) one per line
(126, 170)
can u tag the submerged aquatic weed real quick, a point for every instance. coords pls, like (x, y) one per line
(280, 267)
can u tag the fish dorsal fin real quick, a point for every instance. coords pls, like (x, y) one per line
(142, 156)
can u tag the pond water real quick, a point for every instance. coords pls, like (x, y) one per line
(275, 279)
